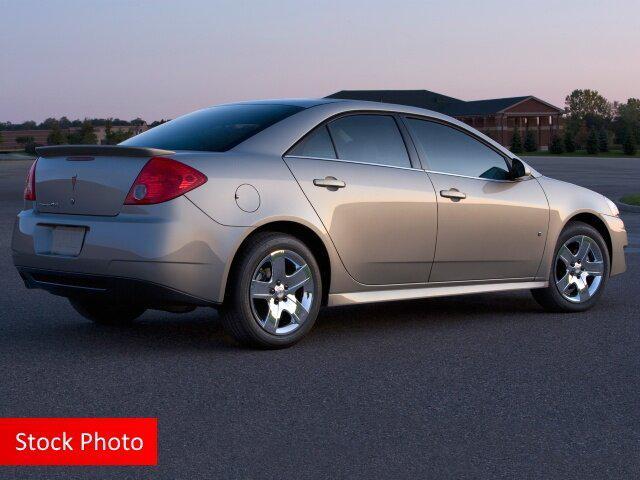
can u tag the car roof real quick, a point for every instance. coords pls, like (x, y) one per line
(347, 104)
(294, 102)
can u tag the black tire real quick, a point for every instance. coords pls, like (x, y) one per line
(106, 311)
(237, 312)
(550, 298)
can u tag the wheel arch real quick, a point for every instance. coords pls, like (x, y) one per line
(303, 233)
(593, 220)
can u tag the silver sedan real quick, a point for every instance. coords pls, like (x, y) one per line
(270, 210)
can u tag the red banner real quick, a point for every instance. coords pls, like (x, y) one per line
(78, 441)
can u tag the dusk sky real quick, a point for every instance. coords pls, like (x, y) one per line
(160, 59)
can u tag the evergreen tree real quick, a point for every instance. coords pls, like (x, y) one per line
(117, 136)
(27, 143)
(627, 120)
(30, 147)
(557, 146)
(629, 146)
(85, 135)
(516, 142)
(56, 136)
(603, 141)
(592, 142)
(121, 136)
(530, 143)
(569, 142)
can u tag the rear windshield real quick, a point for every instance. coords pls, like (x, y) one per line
(214, 129)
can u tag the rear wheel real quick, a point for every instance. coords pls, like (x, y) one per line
(106, 311)
(274, 292)
(579, 271)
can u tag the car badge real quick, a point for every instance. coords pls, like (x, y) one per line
(74, 180)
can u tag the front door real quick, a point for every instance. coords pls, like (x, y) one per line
(489, 226)
(380, 212)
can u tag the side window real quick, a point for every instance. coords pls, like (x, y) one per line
(315, 144)
(448, 150)
(369, 139)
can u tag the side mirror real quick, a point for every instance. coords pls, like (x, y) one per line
(520, 170)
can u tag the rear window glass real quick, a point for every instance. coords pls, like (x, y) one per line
(214, 129)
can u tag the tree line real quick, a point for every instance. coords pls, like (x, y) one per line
(64, 132)
(591, 123)
(65, 123)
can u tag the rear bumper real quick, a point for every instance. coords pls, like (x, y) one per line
(127, 290)
(170, 249)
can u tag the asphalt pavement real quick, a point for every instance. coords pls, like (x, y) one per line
(461, 387)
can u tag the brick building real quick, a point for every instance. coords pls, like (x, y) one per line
(496, 117)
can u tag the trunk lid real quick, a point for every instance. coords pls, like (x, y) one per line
(88, 179)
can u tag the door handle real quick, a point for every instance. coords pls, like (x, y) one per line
(453, 193)
(332, 183)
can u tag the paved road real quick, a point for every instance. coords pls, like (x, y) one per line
(465, 387)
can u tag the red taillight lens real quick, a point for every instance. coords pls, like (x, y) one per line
(30, 185)
(162, 179)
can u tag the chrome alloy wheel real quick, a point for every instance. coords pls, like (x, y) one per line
(579, 267)
(282, 292)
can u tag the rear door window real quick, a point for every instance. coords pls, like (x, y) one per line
(369, 139)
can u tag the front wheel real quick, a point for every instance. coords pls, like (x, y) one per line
(274, 293)
(579, 271)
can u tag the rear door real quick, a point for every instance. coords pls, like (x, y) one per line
(379, 210)
(489, 226)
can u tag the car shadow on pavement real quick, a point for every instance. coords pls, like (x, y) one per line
(489, 307)
(202, 330)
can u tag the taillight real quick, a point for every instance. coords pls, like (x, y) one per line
(162, 179)
(30, 185)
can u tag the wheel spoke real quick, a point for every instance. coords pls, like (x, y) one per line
(595, 269)
(299, 278)
(583, 293)
(277, 265)
(583, 250)
(272, 320)
(566, 256)
(563, 283)
(260, 289)
(296, 309)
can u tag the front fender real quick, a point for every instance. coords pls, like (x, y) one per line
(568, 201)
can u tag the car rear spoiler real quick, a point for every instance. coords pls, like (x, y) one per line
(100, 151)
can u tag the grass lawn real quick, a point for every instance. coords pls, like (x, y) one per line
(632, 199)
(582, 153)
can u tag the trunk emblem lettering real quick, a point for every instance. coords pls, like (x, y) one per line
(51, 204)
(74, 180)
